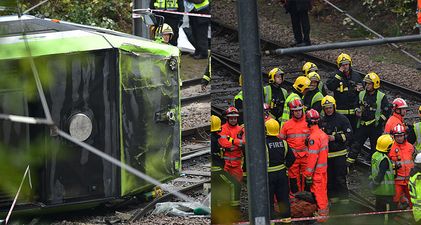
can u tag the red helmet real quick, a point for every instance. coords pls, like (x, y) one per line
(295, 104)
(399, 103)
(398, 129)
(232, 111)
(312, 116)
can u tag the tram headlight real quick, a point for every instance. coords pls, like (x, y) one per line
(80, 126)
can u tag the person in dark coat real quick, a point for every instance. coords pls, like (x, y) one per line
(298, 9)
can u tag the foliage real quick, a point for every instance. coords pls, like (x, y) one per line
(111, 14)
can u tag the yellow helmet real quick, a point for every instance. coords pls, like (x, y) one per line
(309, 67)
(274, 72)
(215, 123)
(384, 143)
(313, 76)
(272, 127)
(240, 80)
(372, 78)
(328, 101)
(301, 83)
(343, 58)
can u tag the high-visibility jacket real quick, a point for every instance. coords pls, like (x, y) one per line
(387, 184)
(286, 113)
(311, 98)
(295, 133)
(279, 157)
(275, 99)
(417, 130)
(338, 126)
(402, 154)
(201, 6)
(343, 88)
(231, 143)
(166, 4)
(378, 109)
(415, 192)
(419, 13)
(318, 148)
(391, 123)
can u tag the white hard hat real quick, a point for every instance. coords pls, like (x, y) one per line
(418, 158)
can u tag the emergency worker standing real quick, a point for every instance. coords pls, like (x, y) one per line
(401, 154)
(339, 132)
(226, 197)
(295, 131)
(311, 67)
(300, 87)
(274, 94)
(316, 169)
(238, 100)
(200, 26)
(232, 144)
(415, 189)
(346, 85)
(173, 20)
(164, 34)
(399, 107)
(298, 9)
(417, 133)
(383, 175)
(372, 113)
(313, 97)
(279, 159)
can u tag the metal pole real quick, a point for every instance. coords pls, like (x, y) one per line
(139, 28)
(346, 44)
(372, 31)
(257, 181)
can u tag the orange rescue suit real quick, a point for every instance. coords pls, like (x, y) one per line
(232, 144)
(295, 132)
(318, 150)
(401, 155)
(391, 123)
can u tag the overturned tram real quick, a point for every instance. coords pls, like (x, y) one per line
(116, 92)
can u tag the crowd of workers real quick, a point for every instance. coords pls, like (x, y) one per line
(312, 139)
(199, 25)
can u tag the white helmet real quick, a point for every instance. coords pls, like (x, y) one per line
(418, 158)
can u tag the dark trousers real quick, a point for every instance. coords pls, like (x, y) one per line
(278, 187)
(336, 174)
(360, 136)
(384, 203)
(300, 26)
(199, 27)
(174, 22)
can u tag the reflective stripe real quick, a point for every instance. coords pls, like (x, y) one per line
(224, 136)
(310, 170)
(297, 135)
(343, 89)
(408, 161)
(346, 111)
(350, 160)
(338, 77)
(318, 150)
(241, 143)
(321, 165)
(239, 96)
(299, 150)
(378, 113)
(276, 168)
(366, 123)
(402, 178)
(215, 168)
(338, 153)
(231, 158)
(206, 77)
(343, 137)
(166, 4)
(202, 5)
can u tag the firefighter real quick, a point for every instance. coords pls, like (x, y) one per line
(311, 67)
(274, 94)
(295, 131)
(279, 159)
(339, 131)
(232, 142)
(164, 34)
(372, 113)
(415, 189)
(313, 97)
(417, 133)
(399, 107)
(401, 155)
(226, 197)
(238, 100)
(316, 169)
(266, 112)
(346, 85)
(300, 87)
(382, 181)
(170, 19)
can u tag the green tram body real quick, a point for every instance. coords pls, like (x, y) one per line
(119, 92)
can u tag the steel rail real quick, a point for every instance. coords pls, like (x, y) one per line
(196, 98)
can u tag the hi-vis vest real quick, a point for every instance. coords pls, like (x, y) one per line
(415, 192)
(387, 186)
(239, 96)
(417, 129)
(317, 97)
(166, 4)
(267, 92)
(274, 168)
(378, 112)
(286, 112)
(202, 5)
